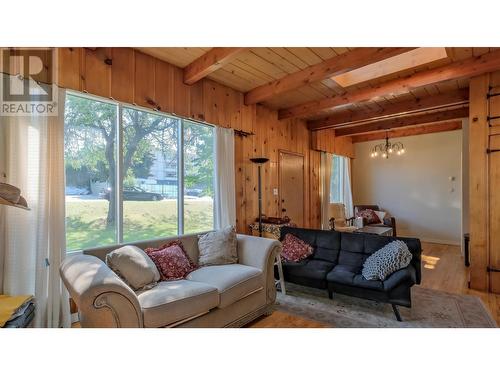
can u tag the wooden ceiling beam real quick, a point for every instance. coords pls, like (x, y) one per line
(400, 122)
(409, 131)
(208, 63)
(461, 69)
(339, 64)
(401, 108)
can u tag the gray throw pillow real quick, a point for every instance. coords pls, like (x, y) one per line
(218, 247)
(134, 267)
(389, 259)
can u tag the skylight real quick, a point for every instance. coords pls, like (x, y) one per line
(404, 61)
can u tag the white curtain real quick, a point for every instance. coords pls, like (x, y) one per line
(342, 186)
(346, 190)
(34, 242)
(225, 189)
(325, 178)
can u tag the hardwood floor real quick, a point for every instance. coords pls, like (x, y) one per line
(443, 269)
(279, 319)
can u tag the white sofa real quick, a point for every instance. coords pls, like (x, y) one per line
(213, 296)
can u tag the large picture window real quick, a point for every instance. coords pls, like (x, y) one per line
(133, 174)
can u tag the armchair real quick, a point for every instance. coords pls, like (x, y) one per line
(389, 221)
(338, 221)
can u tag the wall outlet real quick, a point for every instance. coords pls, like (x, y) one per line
(275, 191)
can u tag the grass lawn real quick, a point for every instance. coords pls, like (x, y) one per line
(86, 221)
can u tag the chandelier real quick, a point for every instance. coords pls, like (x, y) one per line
(387, 148)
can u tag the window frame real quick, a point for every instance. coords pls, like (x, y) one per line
(119, 166)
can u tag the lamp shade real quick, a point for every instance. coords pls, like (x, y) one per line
(336, 210)
(11, 196)
(259, 160)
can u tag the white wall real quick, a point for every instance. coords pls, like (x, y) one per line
(415, 188)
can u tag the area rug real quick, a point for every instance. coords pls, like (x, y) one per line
(430, 309)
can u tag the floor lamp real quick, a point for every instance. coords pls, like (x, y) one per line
(259, 162)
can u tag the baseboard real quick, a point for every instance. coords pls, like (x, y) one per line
(439, 241)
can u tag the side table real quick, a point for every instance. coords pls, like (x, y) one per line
(272, 231)
(281, 280)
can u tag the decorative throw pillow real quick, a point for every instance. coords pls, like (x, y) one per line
(171, 260)
(370, 216)
(381, 215)
(389, 259)
(294, 249)
(218, 247)
(133, 266)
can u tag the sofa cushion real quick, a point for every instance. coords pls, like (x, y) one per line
(350, 275)
(353, 242)
(218, 247)
(233, 281)
(361, 282)
(173, 301)
(327, 246)
(373, 243)
(352, 251)
(288, 266)
(133, 266)
(313, 269)
(343, 274)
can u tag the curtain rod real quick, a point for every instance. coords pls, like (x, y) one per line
(242, 133)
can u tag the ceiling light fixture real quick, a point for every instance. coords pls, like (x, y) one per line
(384, 149)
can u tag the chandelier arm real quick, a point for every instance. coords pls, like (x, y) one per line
(387, 148)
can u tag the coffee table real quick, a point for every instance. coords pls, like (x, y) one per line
(381, 231)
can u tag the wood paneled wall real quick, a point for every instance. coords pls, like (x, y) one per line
(484, 182)
(130, 76)
(271, 136)
(326, 140)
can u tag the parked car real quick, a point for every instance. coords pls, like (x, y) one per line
(136, 194)
(194, 192)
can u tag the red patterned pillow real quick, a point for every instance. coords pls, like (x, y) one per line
(294, 249)
(370, 216)
(171, 260)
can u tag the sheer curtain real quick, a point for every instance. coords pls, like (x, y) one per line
(346, 190)
(335, 176)
(325, 178)
(34, 242)
(225, 188)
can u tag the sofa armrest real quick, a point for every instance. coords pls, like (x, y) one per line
(389, 221)
(404, 275)
(260, 253)
(256, 251)
(103, 299)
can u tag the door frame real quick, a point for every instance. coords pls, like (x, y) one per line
(280, 152)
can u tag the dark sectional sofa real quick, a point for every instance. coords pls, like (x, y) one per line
(337, 262)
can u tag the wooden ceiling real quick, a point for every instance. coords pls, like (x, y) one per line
(248, 68)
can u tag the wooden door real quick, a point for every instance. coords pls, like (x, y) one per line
(291, 186)
(494, 214)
